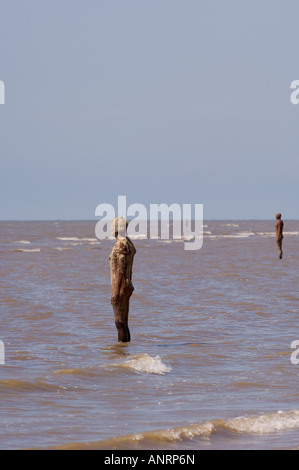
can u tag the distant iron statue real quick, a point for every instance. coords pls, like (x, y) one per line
(121, 267)
(279, 234)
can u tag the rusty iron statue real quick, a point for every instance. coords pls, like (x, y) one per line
(121, 266)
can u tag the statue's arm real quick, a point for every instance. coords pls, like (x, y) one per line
(118, 269)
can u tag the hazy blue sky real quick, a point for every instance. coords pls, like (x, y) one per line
(184, 101)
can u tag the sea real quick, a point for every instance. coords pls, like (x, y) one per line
(213, 362)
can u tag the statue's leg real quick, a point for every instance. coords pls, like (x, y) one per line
(123, 332)
(121, 313)
(279, 246)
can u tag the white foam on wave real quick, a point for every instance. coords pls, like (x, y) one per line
(176, 434)
(230, 225)
(234, 235)
(144, 363)
(243, 234)
(23, 242)
(265, 424)
(262, 425)
(272, 234)
(76, 239)
(59, 248)
(139, 236)
(35, 250)
(266, 234)
(291, 234)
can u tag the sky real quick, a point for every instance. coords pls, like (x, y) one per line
(163, 101)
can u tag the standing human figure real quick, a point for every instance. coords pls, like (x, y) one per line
(279, 233)
(121, 267)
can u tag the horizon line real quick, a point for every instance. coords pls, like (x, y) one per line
(148, 220)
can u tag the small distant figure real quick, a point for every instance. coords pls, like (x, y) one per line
(279, 234)
(121, 266)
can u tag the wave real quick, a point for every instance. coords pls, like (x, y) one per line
(34, 250)
(291, 234)
(272, 234)
(230, 225)
(15, 385)
(241, 235)
(249, 234)
(59, 248)
(139, 236)
(266, 234)
(266, 423)
(250, 425)
(234, 235)
(143, 363)
(23, 242)
(76, 239)
(78, 372)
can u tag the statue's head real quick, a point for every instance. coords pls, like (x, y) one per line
(278, 216)
(119, 227)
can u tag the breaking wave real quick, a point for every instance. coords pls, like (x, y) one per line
(34, 250)
(252, 425)
(248, 234)
(76, 239)
(59, 248)
(266, 423)
(143, 363)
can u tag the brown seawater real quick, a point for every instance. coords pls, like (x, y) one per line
(209, 365)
